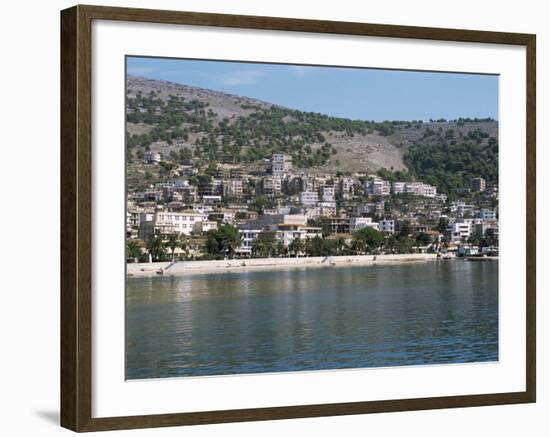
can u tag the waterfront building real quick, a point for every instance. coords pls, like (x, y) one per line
(248, 235)
(167, 222)
(459, 230)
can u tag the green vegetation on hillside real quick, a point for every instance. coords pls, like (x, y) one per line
(450, 164)
(248, 138)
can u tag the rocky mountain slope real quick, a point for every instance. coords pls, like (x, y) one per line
(213, 126)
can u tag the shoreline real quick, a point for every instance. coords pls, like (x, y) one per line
(180, 268)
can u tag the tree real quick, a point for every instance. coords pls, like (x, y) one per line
(265, 245)
(173, 241)
(442, 225)
(423, 239)
(490, 238)
(368, 239)
(315, 246)
(296, 246)
(404, 245)
(392, 244)
(405, 229)
(340, 245)
(260, 203)
(223, 241)
(281, 248)
(155, 248)
(133, 250)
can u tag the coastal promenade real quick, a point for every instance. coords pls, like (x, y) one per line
(221, 266)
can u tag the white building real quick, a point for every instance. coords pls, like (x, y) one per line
(205, 226)
(357, 223)
(232, 188)
(248, 236)
(441, 198)
(460, 208)
(295, 219)
(152, 157)
(327, 209)
(387, 226)
(178, 222)
(288, 233)
(398, 187)
(488, 214)
(281, 164)
(347, 187)
(429, 191)
(212, 200)
(327, 193)
(378, 187)
(309, 198)
(460, 230)
(272, 186)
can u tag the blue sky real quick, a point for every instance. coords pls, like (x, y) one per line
(364, 94)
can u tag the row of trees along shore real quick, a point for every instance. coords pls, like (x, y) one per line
(223, 243)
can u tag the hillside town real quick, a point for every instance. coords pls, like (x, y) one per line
(227, 211)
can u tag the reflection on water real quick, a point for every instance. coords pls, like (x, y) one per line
(300, 319)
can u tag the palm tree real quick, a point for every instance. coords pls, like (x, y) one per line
(307, 246)
(173, 241)
(340, 245)
(296, 246)
(155, 247)
(133, 250)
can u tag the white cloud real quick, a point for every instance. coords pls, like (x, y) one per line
(242, 77)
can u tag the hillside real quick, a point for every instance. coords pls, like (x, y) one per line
(212, 126)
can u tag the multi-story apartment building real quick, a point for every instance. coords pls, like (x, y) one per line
(460, 230)
(479, 184)
(309, 198)
(377, 187)
(398, 187)
(387, 225)
(152, 157)
(327, 193)
(357, 223)
(327, 209)
(178, 222)
(271, 186)
(481, 229)
(280, 164)
(488, 214)
(232, 189)
(461, 209)
(347, 187)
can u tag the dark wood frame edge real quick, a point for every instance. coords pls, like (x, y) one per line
(76, 224)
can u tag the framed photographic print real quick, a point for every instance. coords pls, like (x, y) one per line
(268, 218)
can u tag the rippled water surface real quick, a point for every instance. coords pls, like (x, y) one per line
(311, 319)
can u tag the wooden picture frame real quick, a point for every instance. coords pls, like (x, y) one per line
(76, 217)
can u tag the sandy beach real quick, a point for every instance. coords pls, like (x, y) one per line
(235, 265)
